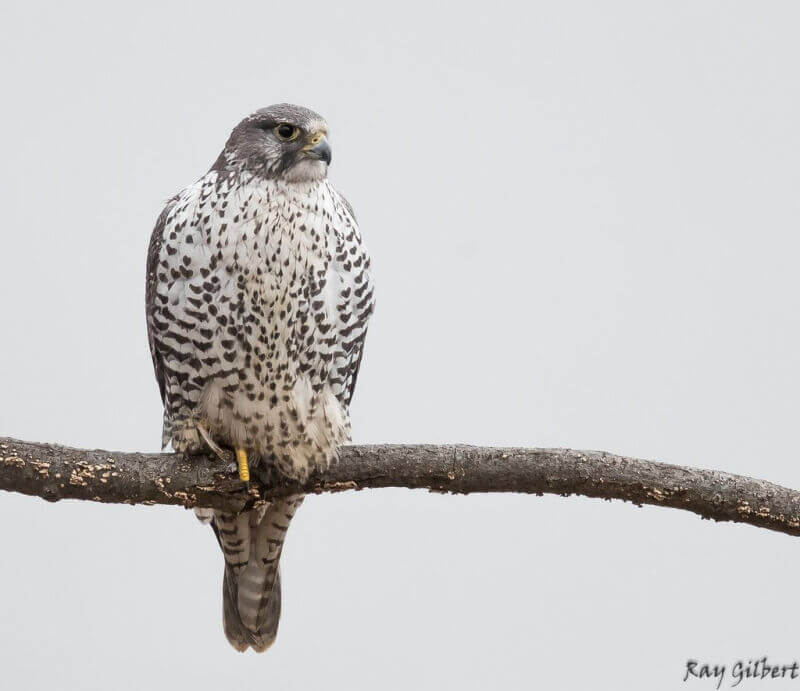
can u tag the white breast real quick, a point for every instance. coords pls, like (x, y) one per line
(261, 296)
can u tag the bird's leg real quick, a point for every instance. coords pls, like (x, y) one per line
(241, 461)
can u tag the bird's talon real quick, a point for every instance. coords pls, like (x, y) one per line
(211, 443)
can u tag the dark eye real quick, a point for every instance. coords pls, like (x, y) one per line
(286, 132)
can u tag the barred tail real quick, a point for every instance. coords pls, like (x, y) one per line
(251, 588)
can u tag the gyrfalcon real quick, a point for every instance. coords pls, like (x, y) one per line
(258, 295)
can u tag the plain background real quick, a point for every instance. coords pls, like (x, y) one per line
(583, 218)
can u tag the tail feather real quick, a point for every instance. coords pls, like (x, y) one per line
(251, 589)
(238, 634)
(256, 592)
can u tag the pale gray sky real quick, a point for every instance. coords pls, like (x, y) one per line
(583, 218)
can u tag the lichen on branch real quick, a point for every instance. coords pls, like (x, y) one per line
(59, 472)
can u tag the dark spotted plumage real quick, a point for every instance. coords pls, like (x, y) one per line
(258, 295)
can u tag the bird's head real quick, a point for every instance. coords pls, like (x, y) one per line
(283, 142)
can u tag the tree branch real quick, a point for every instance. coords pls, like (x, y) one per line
(59, 472)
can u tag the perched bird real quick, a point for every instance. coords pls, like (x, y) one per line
(258, 295)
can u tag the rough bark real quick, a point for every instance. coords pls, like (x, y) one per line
(59, 472)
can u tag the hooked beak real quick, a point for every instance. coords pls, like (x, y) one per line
(318, 148)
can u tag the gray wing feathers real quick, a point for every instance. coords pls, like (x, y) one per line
(360, 324)
(153, 251)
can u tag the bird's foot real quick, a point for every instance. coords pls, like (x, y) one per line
(216, 448)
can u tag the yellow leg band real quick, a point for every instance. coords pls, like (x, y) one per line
(241, 460)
